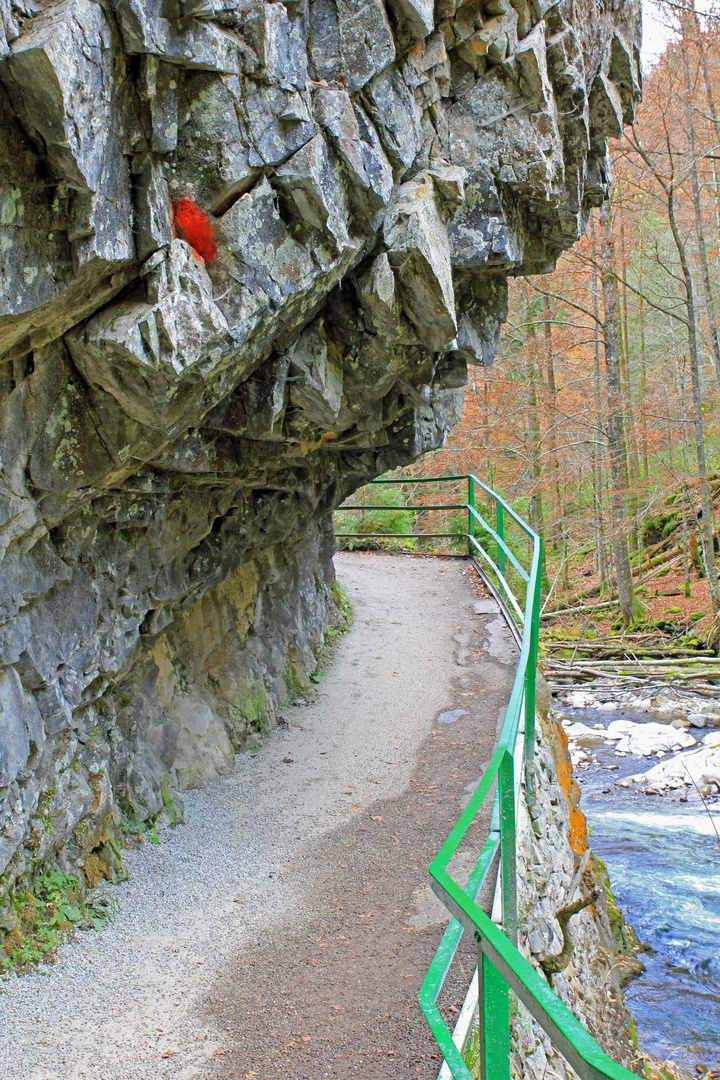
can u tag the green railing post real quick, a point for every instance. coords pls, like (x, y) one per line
(499, 528)
(506, 783)
(471, 518)
(530, 673)
(494, 1028)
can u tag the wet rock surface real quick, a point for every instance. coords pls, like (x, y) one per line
(175, 429)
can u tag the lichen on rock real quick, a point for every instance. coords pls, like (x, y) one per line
(174, 434)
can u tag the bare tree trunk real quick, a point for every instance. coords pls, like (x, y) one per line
(489, 460)
(684, 461)
(631, 441)
(552, 427)
(697, 209)
(629, 605)
(706, 530)
(537, 515)
(623, 268)
(686, 564)
(536, 507)
(598, 434)
(643, 385)
(711, 107)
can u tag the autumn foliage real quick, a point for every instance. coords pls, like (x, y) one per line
(536, 426)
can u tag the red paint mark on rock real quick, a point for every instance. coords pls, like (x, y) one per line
(195, 227)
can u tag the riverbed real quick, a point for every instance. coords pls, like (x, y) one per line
(663, 856)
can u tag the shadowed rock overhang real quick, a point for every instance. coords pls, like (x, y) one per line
(175, 432)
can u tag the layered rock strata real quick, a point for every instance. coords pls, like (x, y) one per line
(175, 431)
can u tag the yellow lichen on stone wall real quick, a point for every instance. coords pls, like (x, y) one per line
(557, 741)
(215, 622)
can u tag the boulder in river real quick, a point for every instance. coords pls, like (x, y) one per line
(699, 767)
(641, 740)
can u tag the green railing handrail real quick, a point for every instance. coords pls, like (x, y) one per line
(501, 966)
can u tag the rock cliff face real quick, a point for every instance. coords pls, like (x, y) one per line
(175, 429)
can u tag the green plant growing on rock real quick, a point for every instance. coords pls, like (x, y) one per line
(660, 1070)
(473, 1051)
(344, 611)
(339, 625)
(134, 825)
(626, 944)
(44, 913)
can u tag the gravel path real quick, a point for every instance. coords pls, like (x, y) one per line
(285, 928)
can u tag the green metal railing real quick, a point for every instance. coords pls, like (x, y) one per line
(501, 967)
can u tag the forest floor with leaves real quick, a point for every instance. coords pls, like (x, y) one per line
(662, 597)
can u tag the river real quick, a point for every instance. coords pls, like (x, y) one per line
(663, 856)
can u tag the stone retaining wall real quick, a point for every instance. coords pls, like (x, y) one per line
(556, 867)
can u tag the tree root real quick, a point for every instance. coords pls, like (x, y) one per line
(551, 965)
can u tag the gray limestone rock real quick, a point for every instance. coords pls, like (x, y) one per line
(63, 81)
(21, 726)
(419, 253)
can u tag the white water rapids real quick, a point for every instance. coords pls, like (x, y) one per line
(663, 856)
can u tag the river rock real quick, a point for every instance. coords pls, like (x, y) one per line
(647, 738)
(582, 731)
(663, 702)
(617, 729)
(580, 699)
(700, 767)
(642, 740)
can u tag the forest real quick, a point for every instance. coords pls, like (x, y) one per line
(600, 419)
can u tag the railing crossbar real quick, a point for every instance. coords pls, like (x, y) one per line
(508, 551)
(390, 536)
(462, 476)
(417, 509)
